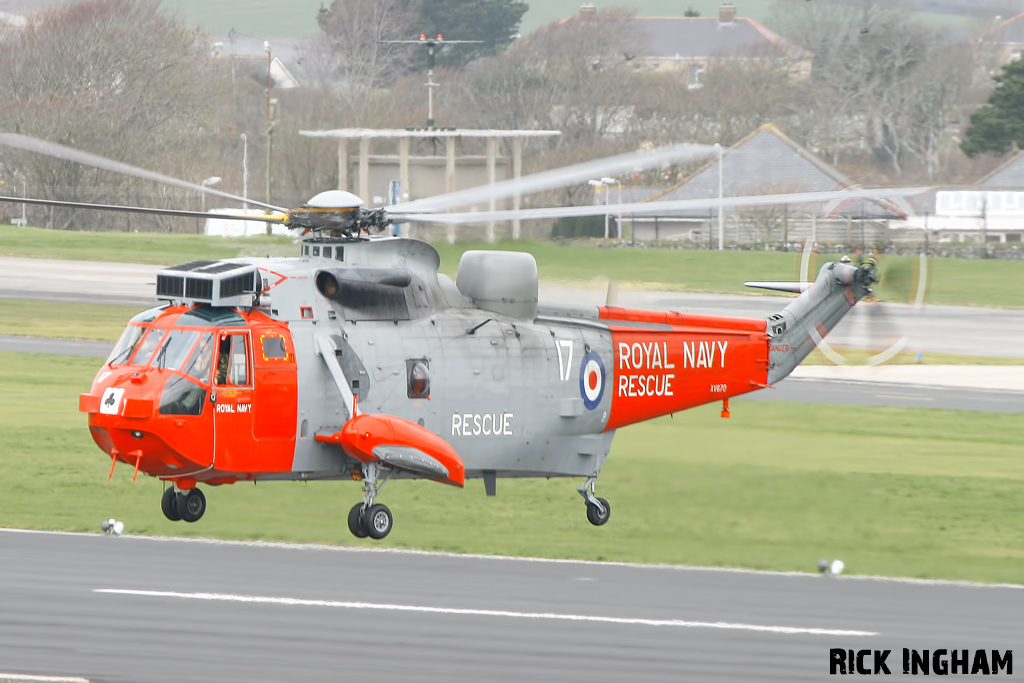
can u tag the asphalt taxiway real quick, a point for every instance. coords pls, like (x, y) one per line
(147, 609)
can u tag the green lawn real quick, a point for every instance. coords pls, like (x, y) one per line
(132, 247)
(900, 492)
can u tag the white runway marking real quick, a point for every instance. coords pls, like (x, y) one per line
(226, 597)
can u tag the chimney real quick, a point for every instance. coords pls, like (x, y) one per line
(588, 11)
(726, 13)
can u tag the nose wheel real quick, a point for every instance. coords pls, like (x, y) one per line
(188, 505)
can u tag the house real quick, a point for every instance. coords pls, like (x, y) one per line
(990, 212)
(687, 45)
(1004, 41)
(767, 162)
(246, 53)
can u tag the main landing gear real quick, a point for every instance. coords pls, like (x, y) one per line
(366, 518)
(599, 510)
(183, 504)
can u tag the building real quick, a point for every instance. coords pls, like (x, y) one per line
(687, 45)
(766, 162)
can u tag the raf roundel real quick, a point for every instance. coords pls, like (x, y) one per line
(591, 380)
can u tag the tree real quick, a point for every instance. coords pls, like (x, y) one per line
(357, 31)
(495, 22)
(118, 78)
(999, 125)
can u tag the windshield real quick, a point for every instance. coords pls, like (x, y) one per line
(175, 349)
(148, 346)
(124, 347)
(199, 364)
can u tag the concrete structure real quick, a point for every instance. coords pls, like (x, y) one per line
(424, 176)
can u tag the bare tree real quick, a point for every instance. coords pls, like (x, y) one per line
(357, 31)
(117, 77)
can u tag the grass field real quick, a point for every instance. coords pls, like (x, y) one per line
(954, 281)
(901, 492)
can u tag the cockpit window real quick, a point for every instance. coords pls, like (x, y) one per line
(182, 396)
(124, 347)
(175, 349)
(148, 346)
(199, 364)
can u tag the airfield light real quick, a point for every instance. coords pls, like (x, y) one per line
(423, 36)
(837, 567)
(439, 37)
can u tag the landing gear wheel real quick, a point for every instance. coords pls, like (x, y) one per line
(355, 521)
(191, 505)
(594, 514)
(378, 521)
(168, 504)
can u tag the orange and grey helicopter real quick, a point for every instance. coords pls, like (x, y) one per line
(358, 360)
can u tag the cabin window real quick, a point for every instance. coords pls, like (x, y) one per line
(273, 348)
(418, 370)
(327, 252)
(316, 251)
(182, 396)
(339, 253)
(232, 361)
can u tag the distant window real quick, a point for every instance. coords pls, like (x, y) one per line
(1013, 237)
(696, 77)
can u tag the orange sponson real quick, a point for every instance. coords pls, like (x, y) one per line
(363, 433)
(660, 371)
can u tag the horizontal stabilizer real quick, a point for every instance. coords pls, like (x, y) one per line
(793, 287)
(411, 459)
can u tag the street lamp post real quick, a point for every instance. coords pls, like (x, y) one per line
(209, 182)
(605, 183)
(245, 171)
(721, 225)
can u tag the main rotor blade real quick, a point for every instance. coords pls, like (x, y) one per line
(52, 149)
(559, 177)
(654, 207)
(142, 209)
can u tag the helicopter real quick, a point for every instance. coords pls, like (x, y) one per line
(358, 360)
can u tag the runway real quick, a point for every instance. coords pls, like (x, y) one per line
(961, 330)
(148, 609)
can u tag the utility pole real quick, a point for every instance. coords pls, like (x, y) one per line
(270, 125)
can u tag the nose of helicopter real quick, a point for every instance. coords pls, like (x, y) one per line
(125, 422)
